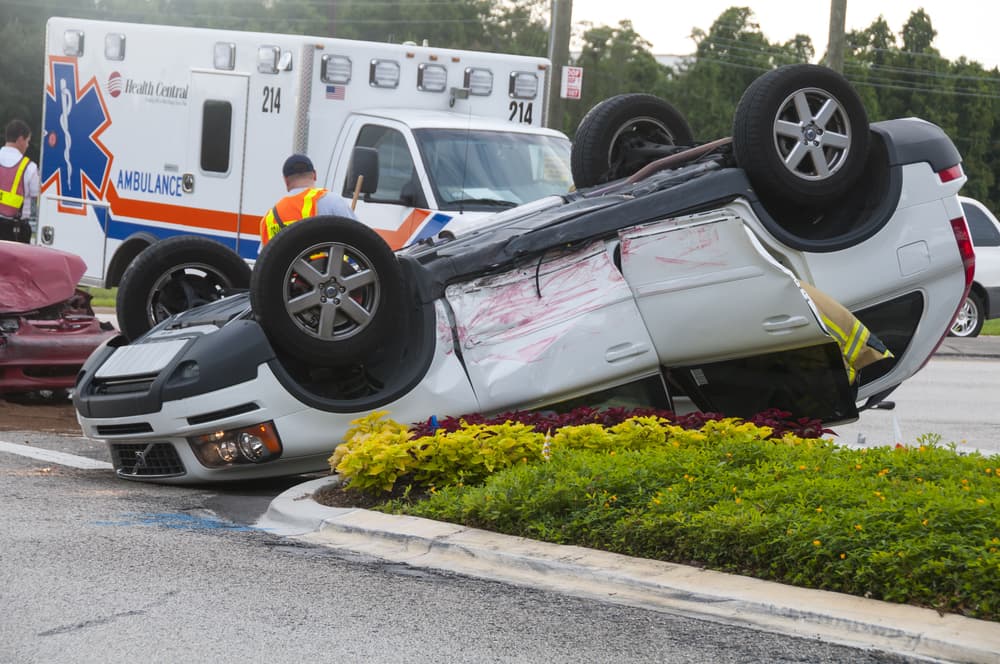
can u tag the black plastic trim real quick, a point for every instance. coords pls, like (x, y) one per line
(227, 357)
(222, 414)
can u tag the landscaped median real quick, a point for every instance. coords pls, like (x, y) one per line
(770, 498)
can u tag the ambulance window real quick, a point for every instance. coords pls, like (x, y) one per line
(397, 179)
(216, 123)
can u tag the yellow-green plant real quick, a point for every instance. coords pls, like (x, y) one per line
(380, 454)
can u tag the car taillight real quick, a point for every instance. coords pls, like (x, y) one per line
(965, 249)
(949, 174)
(968, 254)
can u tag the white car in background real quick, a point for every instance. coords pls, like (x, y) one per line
(983, 301)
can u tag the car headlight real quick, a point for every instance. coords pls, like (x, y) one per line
(9, 324)
(253, 444)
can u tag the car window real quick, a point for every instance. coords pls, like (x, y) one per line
(984, 231)
(395, 165)
(490, 170)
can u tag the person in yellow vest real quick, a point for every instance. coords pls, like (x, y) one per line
(18, 183)
(304, 199)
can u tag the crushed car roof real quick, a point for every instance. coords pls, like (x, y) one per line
(33, 277)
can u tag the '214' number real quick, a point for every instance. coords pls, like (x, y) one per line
(520, 112)
(272, 100)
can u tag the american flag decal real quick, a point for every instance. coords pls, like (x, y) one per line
(335, 92)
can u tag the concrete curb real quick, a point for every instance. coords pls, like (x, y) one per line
(676, 589)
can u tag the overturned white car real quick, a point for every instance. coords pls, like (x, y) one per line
(662, 278)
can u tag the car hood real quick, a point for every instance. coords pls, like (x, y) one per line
(32, 277)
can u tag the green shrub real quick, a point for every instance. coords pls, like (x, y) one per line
(906, 524)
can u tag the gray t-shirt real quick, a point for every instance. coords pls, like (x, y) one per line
(330, 203)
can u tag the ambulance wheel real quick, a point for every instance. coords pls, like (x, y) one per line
(174, 275)
(801, 134)
(327, 291)
(622, 134)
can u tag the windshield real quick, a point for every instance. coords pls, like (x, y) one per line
(501, 169)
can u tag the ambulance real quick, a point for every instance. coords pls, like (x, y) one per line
(154, 131)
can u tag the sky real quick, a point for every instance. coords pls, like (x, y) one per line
(964, 27)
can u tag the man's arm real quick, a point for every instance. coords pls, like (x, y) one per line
(31, 190)
(333, 204)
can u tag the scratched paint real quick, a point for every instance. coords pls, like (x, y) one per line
(549, 328)
(516, 303)
(443, 329)
(174, 521)
(697, 246)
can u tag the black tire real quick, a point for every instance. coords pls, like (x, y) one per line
(325, 316)
(174, 275)
(801, 133)
(969, 322)
(609, 143)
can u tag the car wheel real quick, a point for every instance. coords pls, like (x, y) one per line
(622, 134)
(969, 322)
(174, 275)
(801, 133)
(328, 291)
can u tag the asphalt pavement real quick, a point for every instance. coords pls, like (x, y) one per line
(985, 347)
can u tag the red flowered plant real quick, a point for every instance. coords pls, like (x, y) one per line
(779, 421)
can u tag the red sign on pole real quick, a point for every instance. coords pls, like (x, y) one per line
(572, 82)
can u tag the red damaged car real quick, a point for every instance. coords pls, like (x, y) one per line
(47, 326)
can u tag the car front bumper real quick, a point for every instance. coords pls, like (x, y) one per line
(148, 403)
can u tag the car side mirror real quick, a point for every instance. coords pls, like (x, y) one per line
(364, 164)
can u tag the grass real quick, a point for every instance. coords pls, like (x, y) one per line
(103, 297)
(991, 327)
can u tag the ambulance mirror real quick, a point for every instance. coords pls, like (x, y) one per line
(364, 163)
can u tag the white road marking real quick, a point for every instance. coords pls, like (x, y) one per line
(60, 458)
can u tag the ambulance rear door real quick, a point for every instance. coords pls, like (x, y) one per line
(213, 175)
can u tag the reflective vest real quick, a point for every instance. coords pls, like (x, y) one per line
(289, 209)
(858, 345)
(12, 189)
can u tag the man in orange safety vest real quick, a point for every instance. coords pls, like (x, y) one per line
(304, 199)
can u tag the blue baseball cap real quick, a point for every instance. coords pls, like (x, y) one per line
(297, 163)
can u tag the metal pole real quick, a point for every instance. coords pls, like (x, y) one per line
(559, 34)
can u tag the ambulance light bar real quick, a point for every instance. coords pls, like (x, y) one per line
(73, 43)
(335, 69)
(523, 85)
(478, 81)
(114, 46)
(267, 59)
(432, 78)
(383, 74)
(225, 56)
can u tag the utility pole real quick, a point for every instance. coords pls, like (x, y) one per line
(559, 32)
(331, 19)
(835, 45)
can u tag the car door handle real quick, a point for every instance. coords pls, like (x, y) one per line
(623, 351)
(781, 324)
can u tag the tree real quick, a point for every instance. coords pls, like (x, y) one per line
(728, 58)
